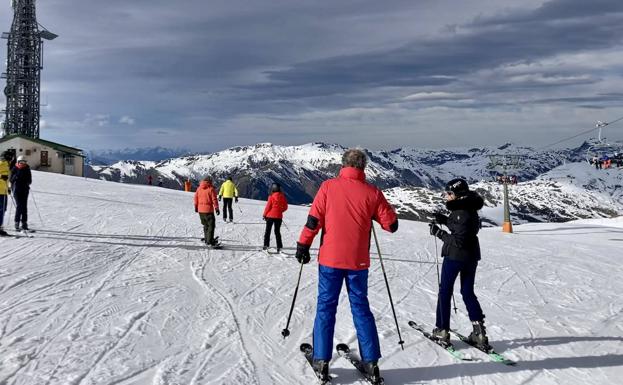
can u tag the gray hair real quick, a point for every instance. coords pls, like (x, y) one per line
(354, 157)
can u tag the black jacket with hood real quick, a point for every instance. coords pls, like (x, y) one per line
(461, 244)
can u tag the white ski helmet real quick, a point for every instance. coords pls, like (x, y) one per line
(21, 158)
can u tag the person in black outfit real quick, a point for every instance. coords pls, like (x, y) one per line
(21, 178)
(461, 253)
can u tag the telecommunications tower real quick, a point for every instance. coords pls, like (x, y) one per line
(23, 74)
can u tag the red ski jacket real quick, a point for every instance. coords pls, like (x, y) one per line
(343, 209)
(205, 198)
(276, 205)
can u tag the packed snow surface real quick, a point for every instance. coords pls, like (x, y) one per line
(116, 288)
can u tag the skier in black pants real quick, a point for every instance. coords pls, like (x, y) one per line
(21, 178)
(461, 253)
(273, 215)
(229, 193)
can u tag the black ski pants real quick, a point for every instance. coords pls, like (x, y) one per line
(269, 224)
(209, 223)
(21, 206)
(449, 272)
(227, 208)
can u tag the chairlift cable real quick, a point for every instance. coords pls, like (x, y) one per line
(581, 133)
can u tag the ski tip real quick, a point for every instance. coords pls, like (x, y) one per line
(412, 323)
(305, 347)
(342, 348)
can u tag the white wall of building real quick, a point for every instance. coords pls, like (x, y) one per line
(36, 154)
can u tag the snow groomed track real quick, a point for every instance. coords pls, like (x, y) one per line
(115, 288)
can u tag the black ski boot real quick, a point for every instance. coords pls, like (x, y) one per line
(25, 226)
(3, 233)
(442, 335)
(478, 337)
(17, 226)
(321, 367)
(372, 371)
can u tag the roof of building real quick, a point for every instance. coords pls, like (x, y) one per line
(56, 146)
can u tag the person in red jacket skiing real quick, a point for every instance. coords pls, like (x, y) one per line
(344, 209)
(273, 215)
(206, 203)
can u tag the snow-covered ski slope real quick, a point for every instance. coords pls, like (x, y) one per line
(115, 288)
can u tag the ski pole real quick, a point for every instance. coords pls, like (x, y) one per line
(287, 228)
(14, 202)
(32, 193)
(6, 208)
(437, 262)
(438, 279)
(285, 332)
(378, 249)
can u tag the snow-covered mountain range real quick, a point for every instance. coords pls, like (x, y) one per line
(411, 177)
(567, 192)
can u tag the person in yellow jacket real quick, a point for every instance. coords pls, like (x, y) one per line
(4, 188)
(228, 192)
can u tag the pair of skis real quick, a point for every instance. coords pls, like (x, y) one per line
(343, 351)
(493, 355)
(22, 234)
(217, 244)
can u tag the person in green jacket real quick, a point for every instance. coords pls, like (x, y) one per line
(228, 192)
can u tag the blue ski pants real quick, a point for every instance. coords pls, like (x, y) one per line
(329, 288)
(449, 271)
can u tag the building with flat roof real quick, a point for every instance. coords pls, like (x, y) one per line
(44, 155)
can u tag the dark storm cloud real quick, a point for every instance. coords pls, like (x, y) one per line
(604, 99)
(558, 27)
(556, 10)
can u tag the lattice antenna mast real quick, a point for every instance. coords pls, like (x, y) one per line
(23, 75)
(505, 163)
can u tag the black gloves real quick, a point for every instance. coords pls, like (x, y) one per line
(196, 209)
(264, 218)
(441, 219)
(302, 253)
(219, 198)
(4, 177)
(218, 212)
(236, 199)
(436, 230)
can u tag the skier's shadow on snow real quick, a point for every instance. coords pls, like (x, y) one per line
(485, 367)
(152, 238)
(548, 341)
(156, 241)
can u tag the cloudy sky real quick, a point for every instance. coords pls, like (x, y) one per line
(210, 74)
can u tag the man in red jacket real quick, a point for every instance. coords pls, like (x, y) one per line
(343, 209)
(206, 203)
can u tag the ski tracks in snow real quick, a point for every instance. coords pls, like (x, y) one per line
(127, 295)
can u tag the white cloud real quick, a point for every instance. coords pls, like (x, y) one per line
(432, 96)
(99, 120)
(127, 120)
